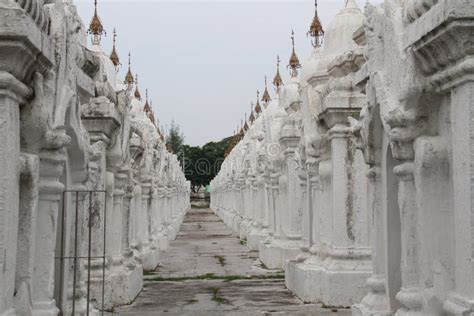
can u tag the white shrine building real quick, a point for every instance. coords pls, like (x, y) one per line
(357, 177)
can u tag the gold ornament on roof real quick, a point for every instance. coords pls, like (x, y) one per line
(137, 92)
(316, 29)
(252, 115)
(266, 96)
(147, 107)
(294, 63)
(151, 115)
(246, 126)
(96, 29)
(258, 108)
(277, 82)
(114, 56)
(129, 76)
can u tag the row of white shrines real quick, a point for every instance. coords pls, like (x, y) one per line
(357, 179)
(88, 191)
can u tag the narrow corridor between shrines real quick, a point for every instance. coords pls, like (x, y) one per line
(209, 271)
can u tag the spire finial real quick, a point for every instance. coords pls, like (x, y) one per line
(351, 4)
(147, 107)
(137, 92)
(316, 29)
(96, 29)
(277, 81)
(129, 76)
(266, 96)
(252, 114)
(258, 108)
(293, 38)
(294, 63)
(114, 56)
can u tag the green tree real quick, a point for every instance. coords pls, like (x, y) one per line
(202, 164)
(175, 139)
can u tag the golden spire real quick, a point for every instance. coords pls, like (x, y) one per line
(114, 56)
(266, 96)
(316, 29)
(137, 92)
(294, 64)
(258, 108)
(129, 77)
(252, 115)
(246, 126)
(151, 115)
(96, 29)
(147, 107)
(277, 82)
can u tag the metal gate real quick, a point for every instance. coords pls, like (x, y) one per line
(73, 203)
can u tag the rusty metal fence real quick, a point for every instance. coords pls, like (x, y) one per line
(73, 203)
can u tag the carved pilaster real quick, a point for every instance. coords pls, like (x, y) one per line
(52, 160)
(12, 94)
(410, 295)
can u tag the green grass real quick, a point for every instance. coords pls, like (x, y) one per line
(212, 276)
(150, 272)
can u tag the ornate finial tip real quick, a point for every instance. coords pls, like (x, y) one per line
(294, 61)
(277, 81)
(114, 56)
(316, 29)
(96, 28)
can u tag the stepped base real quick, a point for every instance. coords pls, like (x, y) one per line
(276, 253)
(333, 283)
(255, 238)
(126, 284)
(151, 258)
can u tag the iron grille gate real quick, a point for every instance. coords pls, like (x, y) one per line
(81, 196)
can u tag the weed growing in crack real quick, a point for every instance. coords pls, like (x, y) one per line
(150, 272)
(221, 260)
(192, 301)
(263, 265)
(216, 297)
(225, 278)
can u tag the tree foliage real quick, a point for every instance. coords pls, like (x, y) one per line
(202, 164)
(175, 139)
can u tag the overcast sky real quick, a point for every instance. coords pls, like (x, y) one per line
(203, 61)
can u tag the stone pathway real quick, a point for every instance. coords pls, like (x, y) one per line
(209, 271)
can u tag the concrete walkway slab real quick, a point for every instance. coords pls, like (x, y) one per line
(209, 271)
